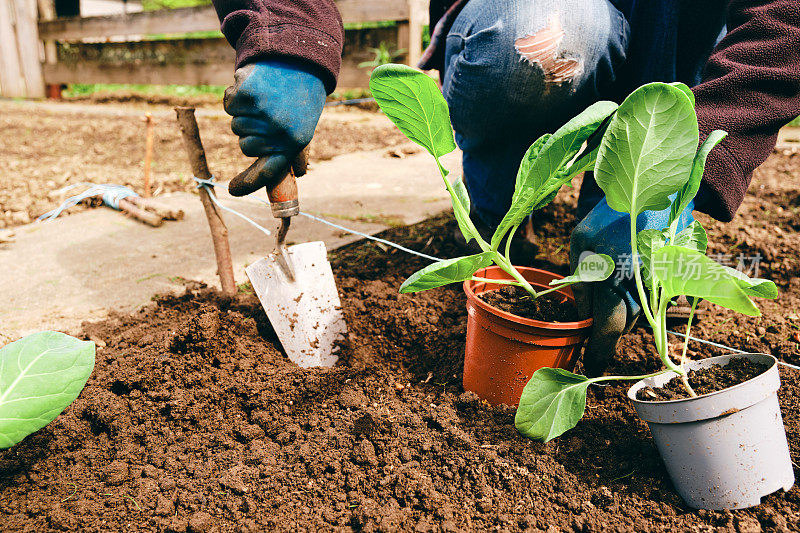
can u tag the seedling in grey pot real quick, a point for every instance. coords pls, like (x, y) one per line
(414, 103)
(646, 156)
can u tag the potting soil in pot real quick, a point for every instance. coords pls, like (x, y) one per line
(705, 381)
(517, 301)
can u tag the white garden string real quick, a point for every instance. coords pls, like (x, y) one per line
(426, 256)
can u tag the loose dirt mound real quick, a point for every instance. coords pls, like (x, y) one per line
(194, 421)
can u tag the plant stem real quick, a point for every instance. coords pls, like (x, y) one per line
(461, 211)
(508, 243)
(637, 275)
(557, 287)
(514, 273)
(627, 378)
(685, 377)
(688, 329)
(662, 344)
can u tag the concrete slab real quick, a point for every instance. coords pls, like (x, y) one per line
(55, 275)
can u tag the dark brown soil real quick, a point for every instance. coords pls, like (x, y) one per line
(193, 420)
(517, 301)
(705, 381)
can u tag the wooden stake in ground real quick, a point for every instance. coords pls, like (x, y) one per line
(219, 232)
(148, 153)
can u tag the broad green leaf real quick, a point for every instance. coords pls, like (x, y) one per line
(693, 237)
(40, 375)
(461, 196)
(447, 271)
(541, 177)
(646, 153)
(686, 90)
(648, 242)
(525, 166)
(682, 271)
(415, 104)
(552, 402)
(757, 287)
(690, 188)
(592, 267)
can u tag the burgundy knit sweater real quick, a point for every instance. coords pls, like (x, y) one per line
(750, 87)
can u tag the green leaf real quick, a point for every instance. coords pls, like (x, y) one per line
(592, 267)
(686, 90)
(544, 169)
(461, 196)
(682, 271)
(415, 104)
(757, 287)
(552, 402)
(690, 188)
(446, 272)
(648, 242)
(693, 237)
(40, 375)
(646, 153)
(524, 171)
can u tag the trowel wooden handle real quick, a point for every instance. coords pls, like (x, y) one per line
(283, 195)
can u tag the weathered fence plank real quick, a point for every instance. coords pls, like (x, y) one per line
(12, 83)
(190, 19)
(28, 45)
(86, 56)
(188, 61)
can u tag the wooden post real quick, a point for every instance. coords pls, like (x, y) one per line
(12, 84)
(409, 32)
(28, 46)
(148, 152)
(219, 232)
(47, 11)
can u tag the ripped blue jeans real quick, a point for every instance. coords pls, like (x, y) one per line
(515, 69)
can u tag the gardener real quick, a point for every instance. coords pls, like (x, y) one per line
(514, 69)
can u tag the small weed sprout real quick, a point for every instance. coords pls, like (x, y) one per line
(414, 103)
(648, 154)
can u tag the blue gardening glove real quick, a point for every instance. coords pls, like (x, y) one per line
(275, 106)
(613, 303)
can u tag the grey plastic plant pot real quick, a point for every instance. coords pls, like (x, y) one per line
(726, 449)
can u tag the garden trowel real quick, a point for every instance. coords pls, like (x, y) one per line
(295, 284)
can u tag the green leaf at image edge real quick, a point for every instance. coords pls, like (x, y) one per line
(552, 402)
(411, 99)
(446, 272)
(40, 375)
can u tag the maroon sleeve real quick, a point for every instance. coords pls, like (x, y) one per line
(750, 88)
(307, 30)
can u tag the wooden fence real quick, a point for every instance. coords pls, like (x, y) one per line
(35, 52)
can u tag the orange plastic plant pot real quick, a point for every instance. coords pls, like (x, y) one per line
(504, 350)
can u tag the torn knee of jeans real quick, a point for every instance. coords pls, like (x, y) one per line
(542, 48)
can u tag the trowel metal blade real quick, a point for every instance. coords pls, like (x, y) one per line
(306, 313)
